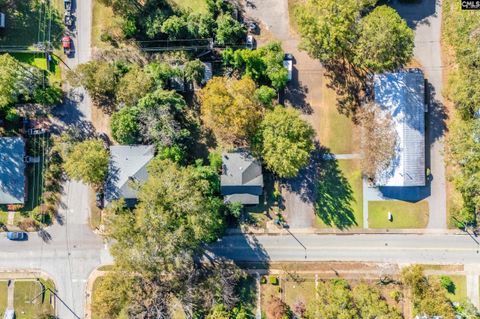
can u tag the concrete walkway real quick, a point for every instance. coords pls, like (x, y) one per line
(11, 218)
(473, 274)
(10, 295)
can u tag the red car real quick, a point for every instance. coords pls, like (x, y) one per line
(67, 44)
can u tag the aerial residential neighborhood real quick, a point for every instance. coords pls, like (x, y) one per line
(232, 159)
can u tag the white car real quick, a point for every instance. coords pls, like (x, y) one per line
(250, 42)
(288, 64)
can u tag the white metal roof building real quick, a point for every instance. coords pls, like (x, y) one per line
(402, 95)
(12, 170)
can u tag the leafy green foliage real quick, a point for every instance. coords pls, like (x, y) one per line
(124, 125)
(448, 284)
(133, 86)
(87, 161)
(161, 118)
(464, 155)
(334, 32)
(428, 295)
(16, 80)
(265, 95)
(99, 78)
(176, 213)
(386, 50)
(264, 65)
(194, 71)
(336, 299)
(229, 108)
(49, 96)
(284, 141)
(229, 31)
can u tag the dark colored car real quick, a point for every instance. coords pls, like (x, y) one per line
(17, 235)
(99, 199)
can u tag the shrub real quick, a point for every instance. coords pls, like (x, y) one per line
(448, 284)
(27, 224)
(273, 280)
(263, 280)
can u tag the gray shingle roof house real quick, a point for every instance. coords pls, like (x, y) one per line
(242, 179)
(128, 163)
(402, 95)
(12, 170)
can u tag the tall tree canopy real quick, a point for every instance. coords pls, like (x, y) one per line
(264, 65)
(161, 118)
(335, 32)
(336, 299)
(16, 79)
(386, 50)
(87, 161)
(124, 125)
(177, 211)
(230, 109)
(284, 141)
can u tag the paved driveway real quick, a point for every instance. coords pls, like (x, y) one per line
(425, 18)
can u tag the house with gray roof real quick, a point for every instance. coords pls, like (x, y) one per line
(242, 178)
(402, 95)
(12, 170)
(128, 166)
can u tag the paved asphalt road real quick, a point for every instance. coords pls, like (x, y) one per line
(436, 249)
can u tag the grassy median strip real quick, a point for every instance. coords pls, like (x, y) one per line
(404, 214)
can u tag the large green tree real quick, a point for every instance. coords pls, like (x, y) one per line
(230, 109)
(284, 141)
(161, 116)
(388, 49)
(264, 65)
(229, 31)
(99, 78)
(328, 28)
(87, 161)
(133, 86)
(124, 125)
(178, 210)
(16, 79)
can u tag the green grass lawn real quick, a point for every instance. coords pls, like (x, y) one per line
(194, 5)
(38, 60)
(303, 291)
(26, 305)
(405, 214)
(27, 23)
(335, 130)
(3, 297)
(460, 293)
(348, 199)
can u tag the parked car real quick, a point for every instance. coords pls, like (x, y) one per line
(99, 199)
(288, 64)
(250, 42)
(67, 44)
(20, 235)
(68, 20)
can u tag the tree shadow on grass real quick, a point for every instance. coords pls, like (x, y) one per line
(334, 196)
(323, 185)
